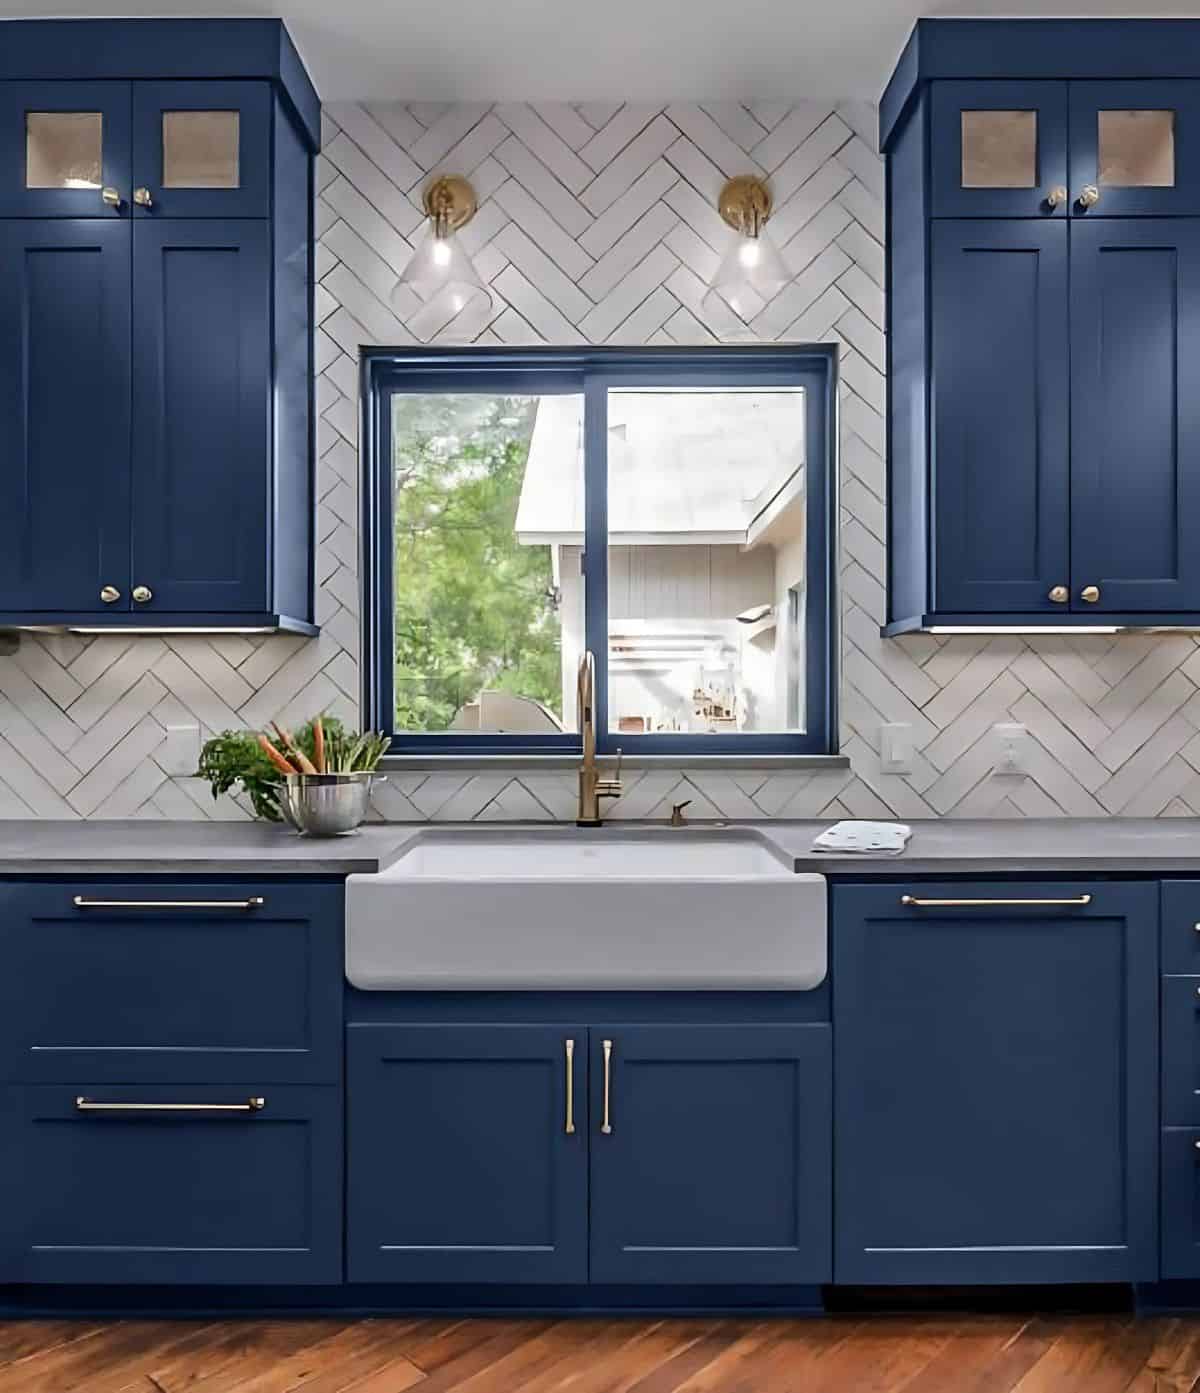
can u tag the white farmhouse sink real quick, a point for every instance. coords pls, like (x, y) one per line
(566, 909)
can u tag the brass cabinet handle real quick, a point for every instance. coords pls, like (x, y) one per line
(912, 902)
(1090, 594)
(606, 1121)
(110, 594)
(1057, 195)
(250, 1105)
(142, 594)
(142, 198)
(1089, 196)
(111, 196)
(569, 1127)
(254, 902)
(1059, 594)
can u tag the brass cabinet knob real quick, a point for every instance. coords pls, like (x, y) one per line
(110, 594)
(1059, 594)
(1089, 196)
(141, 197)
(1057, 195)
(142, 594)
(1090, 593)
(111, 196)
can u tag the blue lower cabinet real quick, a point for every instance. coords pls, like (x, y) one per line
(1181, 1202)
(711, 1154)
(175, 1185)
(996, 1103)
(467, 1153)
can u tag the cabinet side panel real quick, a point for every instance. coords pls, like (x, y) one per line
(907, 347)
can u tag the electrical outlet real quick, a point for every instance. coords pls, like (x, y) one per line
(1012, 749)
(180, 753)
(896, 749)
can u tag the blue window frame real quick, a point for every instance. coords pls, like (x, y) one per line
(592, 375)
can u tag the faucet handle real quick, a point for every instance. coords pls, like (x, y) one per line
(616, 778)
(677, 817)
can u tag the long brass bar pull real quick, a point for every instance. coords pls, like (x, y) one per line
(569, 1127)
(254, 902)
(91, 1105)
(912, 902)
(606, 1121)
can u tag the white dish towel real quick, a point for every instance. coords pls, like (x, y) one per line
(878, 838)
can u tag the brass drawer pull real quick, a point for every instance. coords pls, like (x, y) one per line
(254, 902)
(569, 1126)
(606, 1121)
(913, 903)
(90, 1105)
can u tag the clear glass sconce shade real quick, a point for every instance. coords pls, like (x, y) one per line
(441, 269)
(751, 273)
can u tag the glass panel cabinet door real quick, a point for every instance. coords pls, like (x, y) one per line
(202, 149)
(1135, 148)
(999, 149)
(64, 149)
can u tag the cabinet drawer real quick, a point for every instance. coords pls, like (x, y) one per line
(1180, 919)
(141, 982)
(1181, 1202)
(1181, 1051)
(202, 1186)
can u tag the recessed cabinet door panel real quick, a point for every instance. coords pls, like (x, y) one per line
(64, 415)
(1000, 417)
(62, 144)
(1137, 146)
(1180, 1203)
(202, 416)
(716, 1163)
(1135, 434)
(467, 1153)
(999, 149)
(996, 1084)
(202, 149)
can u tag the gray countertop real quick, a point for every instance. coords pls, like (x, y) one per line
(985, 848)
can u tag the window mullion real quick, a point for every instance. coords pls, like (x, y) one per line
(595, 544)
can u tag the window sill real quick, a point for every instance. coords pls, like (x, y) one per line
(571, 761)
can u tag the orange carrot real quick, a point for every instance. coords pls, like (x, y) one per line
(274, 756)
(319, 745)
(298, 757)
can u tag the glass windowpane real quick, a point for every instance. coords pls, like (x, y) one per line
(63, 149)
(999, 149)
(200, 149)
(1137, 149)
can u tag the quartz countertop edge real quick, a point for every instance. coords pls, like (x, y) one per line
(938, 847)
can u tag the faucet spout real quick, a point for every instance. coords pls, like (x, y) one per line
(592, 787)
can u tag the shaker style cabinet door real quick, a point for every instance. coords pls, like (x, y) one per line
(1135, 149)
(64, 415)
(1135, 422)
(999, 150)
(64, 150)
(1001, 413)
(201, 149)
(202, 416)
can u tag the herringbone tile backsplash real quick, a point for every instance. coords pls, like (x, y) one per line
(598, 224)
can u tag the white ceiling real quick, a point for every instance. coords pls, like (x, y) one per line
(601, 50)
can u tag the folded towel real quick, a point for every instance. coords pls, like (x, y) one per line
(879, 838)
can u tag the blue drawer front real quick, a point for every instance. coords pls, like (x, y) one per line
(159, 992)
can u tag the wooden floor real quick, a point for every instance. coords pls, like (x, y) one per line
(842, 1354)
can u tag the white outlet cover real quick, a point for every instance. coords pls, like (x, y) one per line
(896, 748)
(1012, 749)
(180, 753)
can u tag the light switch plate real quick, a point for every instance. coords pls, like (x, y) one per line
(896, 748)
(1012, 749)
(180, 753)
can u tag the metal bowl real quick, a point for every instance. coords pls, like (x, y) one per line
(326, 805)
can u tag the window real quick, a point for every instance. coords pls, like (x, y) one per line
(671, 511)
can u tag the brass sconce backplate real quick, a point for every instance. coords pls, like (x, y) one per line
(745, 204)
(450, 202)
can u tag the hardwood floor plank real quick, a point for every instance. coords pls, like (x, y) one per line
(1092, 1356)
(640, 1349)
(989, 1356)
(21, 1338)
(242, 1349)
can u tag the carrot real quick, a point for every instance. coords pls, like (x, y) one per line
(297, 755)
(318, 745)
(274, 756)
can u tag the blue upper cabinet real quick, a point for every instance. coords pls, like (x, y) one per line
(156, 191)
(1043, 214)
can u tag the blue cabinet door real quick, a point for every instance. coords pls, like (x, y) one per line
(1180, 1203)
(1001, 374)
(999, 150)
(467, 1153)
(1135, 431)
(711, 1154)
(1137, 144)
(202, 149)
(64, 415)
(62, 144)
(170, 1184)
(202, 403)
(996, 1100)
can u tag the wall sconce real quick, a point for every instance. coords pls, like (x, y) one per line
(752, 271)
(440, 267)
